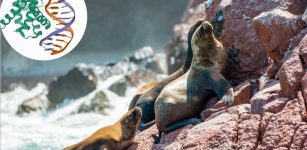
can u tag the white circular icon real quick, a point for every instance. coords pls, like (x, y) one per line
(43, 29)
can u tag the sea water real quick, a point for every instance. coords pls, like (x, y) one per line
(56, 129)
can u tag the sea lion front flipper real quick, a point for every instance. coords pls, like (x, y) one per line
(142, 126)
(180, 124)
(216, 82)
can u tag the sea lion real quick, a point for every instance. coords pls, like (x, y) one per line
(146, 99)
(185, 97)
(117, 136)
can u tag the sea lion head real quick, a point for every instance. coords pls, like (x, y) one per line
(130, 122)
(132, 117)
(208, 52)
(203, 35)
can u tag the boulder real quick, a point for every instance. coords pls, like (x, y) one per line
(303, 48)
(98, 104)
(276, 105)
(176, 50)
(300, 138)
(304, 16)
(219, 132)
(304, 86)
(303, 105)
(264, 122)
(282, 126)
(141, 76)
(248, 131)
(263, 97)
(156, 64)
(37, 103)
(238, 16)
(291, 74)
(78, 82)
(119, 87)
(275, 27)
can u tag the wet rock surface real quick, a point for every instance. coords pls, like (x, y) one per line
(98, 104)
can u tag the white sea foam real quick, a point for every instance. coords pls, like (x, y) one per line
(55, 129)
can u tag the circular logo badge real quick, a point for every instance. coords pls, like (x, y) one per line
(43, 29)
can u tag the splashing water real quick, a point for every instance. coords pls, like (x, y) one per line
(55, 129)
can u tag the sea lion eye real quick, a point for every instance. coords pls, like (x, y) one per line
(132, 116)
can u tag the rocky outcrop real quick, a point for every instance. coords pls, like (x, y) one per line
(269, 111)
(37, 103)
(98, 104)
(78, 82)
(120, 87)
(243, 21)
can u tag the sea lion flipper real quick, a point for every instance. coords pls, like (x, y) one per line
(157, 138)
(142, 126)
(219, 85)
(180, 124)
(228, 98)
(134, 101)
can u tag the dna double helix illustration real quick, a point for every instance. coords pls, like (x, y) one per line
(64, 16)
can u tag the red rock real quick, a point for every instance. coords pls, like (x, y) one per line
(275, 27)
(144, 139)
(219, 132)
(238, 17)
(276, 105)
(248, 131)
(242, 94)
(265, 81)
(264, 122)
(272, 27)
(282, 126)
(303, 48)
(290, 77)
(304, 16)
(287, 48)
(304, 86)
(299, 138)
(264, 96)
(302, 105)
(272, 69)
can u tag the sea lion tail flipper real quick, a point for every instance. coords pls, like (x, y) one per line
(157, 138)
(217, 83)
(142, 126)
(181, 124)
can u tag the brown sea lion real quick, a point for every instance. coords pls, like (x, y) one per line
(185, 97)
(146, 99)
(114, 137)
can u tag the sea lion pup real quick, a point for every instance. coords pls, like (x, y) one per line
(146, 99)
(186, 96)
(114, 137)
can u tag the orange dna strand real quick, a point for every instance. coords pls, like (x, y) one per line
(64, 15)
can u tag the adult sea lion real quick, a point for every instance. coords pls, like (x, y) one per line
(114, 137)
(146, 99)
(185, 97)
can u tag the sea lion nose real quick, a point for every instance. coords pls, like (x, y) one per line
(205, 27)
